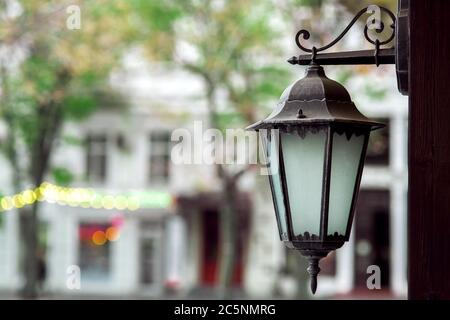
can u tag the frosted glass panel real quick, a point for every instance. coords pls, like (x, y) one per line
(272, 152)
(344, 166)
(303, 162)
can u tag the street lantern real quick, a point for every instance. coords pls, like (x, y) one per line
(315, 143)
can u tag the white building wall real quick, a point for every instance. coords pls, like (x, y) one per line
(63, 241)
(9, 251)
(265, 251)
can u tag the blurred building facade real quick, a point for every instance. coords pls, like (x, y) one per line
(172, 245)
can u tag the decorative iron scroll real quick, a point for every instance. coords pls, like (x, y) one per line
(305, 34)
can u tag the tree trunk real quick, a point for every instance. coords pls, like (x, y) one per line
(29, 234)
(227, 212)
(41, 151)
(229, 225)
(50, 117)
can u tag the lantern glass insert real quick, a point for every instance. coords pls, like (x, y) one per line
(271, 144)
(304, 170)
(345, 161)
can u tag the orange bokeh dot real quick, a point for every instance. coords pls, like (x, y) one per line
(112, 233)
(99, 238)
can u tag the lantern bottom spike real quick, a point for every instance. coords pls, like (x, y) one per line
(313, 257)
(313, 270)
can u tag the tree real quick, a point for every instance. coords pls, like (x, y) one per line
(236, 50)
(52, 73)
(233, 42)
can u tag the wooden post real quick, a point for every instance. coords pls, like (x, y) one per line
(429, 151)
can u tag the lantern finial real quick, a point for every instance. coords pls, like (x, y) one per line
(313, 270)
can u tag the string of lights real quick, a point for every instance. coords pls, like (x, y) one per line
(86, 198)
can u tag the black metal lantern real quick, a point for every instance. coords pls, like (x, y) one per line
(315, 143)
(316, 140)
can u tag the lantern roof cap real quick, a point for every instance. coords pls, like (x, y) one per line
(315, 99)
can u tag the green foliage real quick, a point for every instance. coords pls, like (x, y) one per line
(375, 93)
(73, 140)
(308, 3)
(161, 14)
(62, 176)
(344, 75)
(62, 76)
(78, 107)
(39, 75)
(154, 23)
(226, 120)
(230, 45)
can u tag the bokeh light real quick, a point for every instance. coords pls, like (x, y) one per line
(113, 234)
(99, 238)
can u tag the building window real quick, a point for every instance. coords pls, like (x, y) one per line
(94, 254)
(96, 155)
(148, 261)
(150, 254)
(378, 148)
(159, 157)
(372, 236)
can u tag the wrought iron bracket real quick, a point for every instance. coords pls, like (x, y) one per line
(398, 54)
